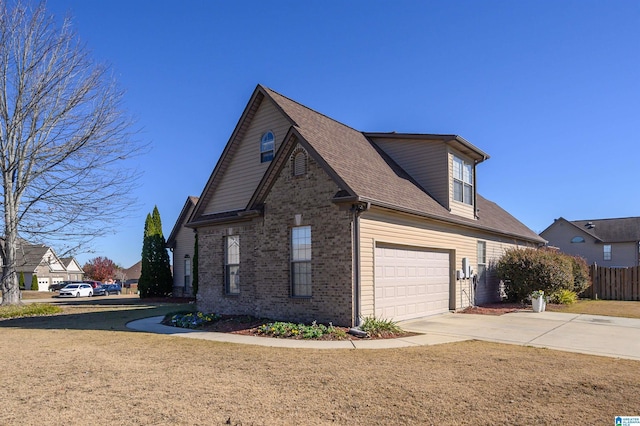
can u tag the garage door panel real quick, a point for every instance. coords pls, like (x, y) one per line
(411, 283)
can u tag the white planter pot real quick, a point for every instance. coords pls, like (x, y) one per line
(539, 304)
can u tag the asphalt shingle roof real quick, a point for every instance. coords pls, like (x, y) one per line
(372, 176)
(612, 230)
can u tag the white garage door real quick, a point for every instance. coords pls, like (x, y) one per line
(410, 283)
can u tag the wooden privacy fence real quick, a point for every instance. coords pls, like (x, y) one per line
(614, 283)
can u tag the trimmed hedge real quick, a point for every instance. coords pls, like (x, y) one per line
(524, 270)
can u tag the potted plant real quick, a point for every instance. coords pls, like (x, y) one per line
(537, 301)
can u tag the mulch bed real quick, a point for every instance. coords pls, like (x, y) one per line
(248, 326)
(496, 309)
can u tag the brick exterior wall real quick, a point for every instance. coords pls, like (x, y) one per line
(265, 253)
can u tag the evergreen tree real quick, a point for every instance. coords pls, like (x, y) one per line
(21, 280)
(34, 282)
(195, 267)
(155, 277)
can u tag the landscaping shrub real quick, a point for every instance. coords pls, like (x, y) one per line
(21, 280)
(379, 327)
(525, 270)
(34, 283)
(193, 320)
(301, 331)
(581, 278)
(564, 297)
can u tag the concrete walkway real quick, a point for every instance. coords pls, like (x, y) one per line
(589, 334)
(152, 325)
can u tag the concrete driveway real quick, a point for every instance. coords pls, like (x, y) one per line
(589, 334)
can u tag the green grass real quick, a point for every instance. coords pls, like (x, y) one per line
(31, 310)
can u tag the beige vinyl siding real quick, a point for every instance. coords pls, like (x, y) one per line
(456, 207)
(378, 226)
(185, 241)
(424, 160)
(245, 171)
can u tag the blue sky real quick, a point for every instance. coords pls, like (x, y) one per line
(549, 89)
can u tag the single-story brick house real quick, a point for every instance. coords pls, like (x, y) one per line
(305, 218)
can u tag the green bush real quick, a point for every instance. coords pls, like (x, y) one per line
(193, 319)
(300, 331)
(524, 270)
(379, 327)
(564, 297)
(34, 283)
(581, 279)
(21, 280)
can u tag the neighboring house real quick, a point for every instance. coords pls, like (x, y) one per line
(131, 275)
(74, 270)
(304, 218)
(181, 242)
(40, 260)
(605, 242)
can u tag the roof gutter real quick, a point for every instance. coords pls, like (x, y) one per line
(241, 216)
(369, 202)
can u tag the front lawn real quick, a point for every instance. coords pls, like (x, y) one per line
(160, 379)
(613, 308)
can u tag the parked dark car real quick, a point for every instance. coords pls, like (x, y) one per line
(63, 284)
(112, 289)
(100, 291)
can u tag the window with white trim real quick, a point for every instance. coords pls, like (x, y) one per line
(482, 262)
(301, 261)
(267, 145)
(606, 252)
(462, 181)
(232, 264)
(187, 271)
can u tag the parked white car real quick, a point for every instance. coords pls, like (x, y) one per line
(77, 290)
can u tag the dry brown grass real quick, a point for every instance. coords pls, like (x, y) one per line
(614, 308)
(86, 368)
(30, 295)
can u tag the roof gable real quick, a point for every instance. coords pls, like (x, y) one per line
(71, 264)
(183, 218)
(30, 256)
(362, 170)
(223, 193)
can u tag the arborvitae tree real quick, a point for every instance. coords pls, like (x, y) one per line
(155, 276)
(34, 282)
(195, 267)
(21, 280)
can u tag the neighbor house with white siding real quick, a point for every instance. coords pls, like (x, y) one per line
(305, 218)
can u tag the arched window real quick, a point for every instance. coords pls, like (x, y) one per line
(267, 144)
(577, 240)
(299, 163)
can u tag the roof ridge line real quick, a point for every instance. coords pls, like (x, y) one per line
(312, 110)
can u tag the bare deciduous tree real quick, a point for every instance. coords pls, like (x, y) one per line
(64, 139)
